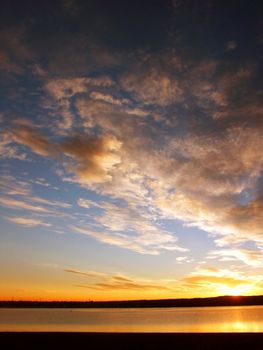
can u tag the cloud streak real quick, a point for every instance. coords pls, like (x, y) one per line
(115, 282)
(92, 274)
(28, 222)
(20, 204)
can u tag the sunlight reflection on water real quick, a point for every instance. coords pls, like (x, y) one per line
(201, 319)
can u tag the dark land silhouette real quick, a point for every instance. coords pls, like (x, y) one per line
(195, 302)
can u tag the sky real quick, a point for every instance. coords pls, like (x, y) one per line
(131, 149)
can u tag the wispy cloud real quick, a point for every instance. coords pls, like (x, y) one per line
(28, 136)
(108, 98)
(252, 257)
(92, 274)
(18, 193)
(64, 88)
(28, 222)
(20, 204)
(145, 239)
(116, 282)
(124, 286)
(87, 203)
(10, 151)
(11, 185)
(49, 202)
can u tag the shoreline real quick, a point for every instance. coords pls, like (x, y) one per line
(94, 340)
(226, 300)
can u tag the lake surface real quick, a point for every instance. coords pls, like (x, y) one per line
(199, 319)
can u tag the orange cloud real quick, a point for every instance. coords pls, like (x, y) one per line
(95, 157)
(125, 286)
(153, 87)
(31, 138)
(116, 282)
(93, 274)
(67, 87)
(63, 88)
(221, 281)
(200, 280)
(90, 158)
(108, 98)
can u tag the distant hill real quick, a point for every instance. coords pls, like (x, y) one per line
(195, 302)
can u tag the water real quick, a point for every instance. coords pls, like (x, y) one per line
(201, 319)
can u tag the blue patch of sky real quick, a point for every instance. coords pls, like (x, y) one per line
(197, 241)
(249, 245)
(244, 197)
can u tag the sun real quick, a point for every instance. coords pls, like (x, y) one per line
(241, 289)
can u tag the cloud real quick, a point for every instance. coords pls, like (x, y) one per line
(114, 119)
(139, 112)
(28, 222)
(67, 119)
(153, 87)
(62, 88)
(96, 95)
(17, 193)
(65, 88)
(252, 257)
(130, 228)
(196, 157)
(42, 200)
(221, 281)
(10, 151)
(93, 274)
(95, 157)
(20, 204)
(203, 281)
(224, 167)
(183, 260)
(142, 242)
(31, 138)
(90, 158)
(125, 286)
(116, 282)
(11, 185)
(115, 166)
(87, 203)
(122, 279)
(40, 181)
(90, 112)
